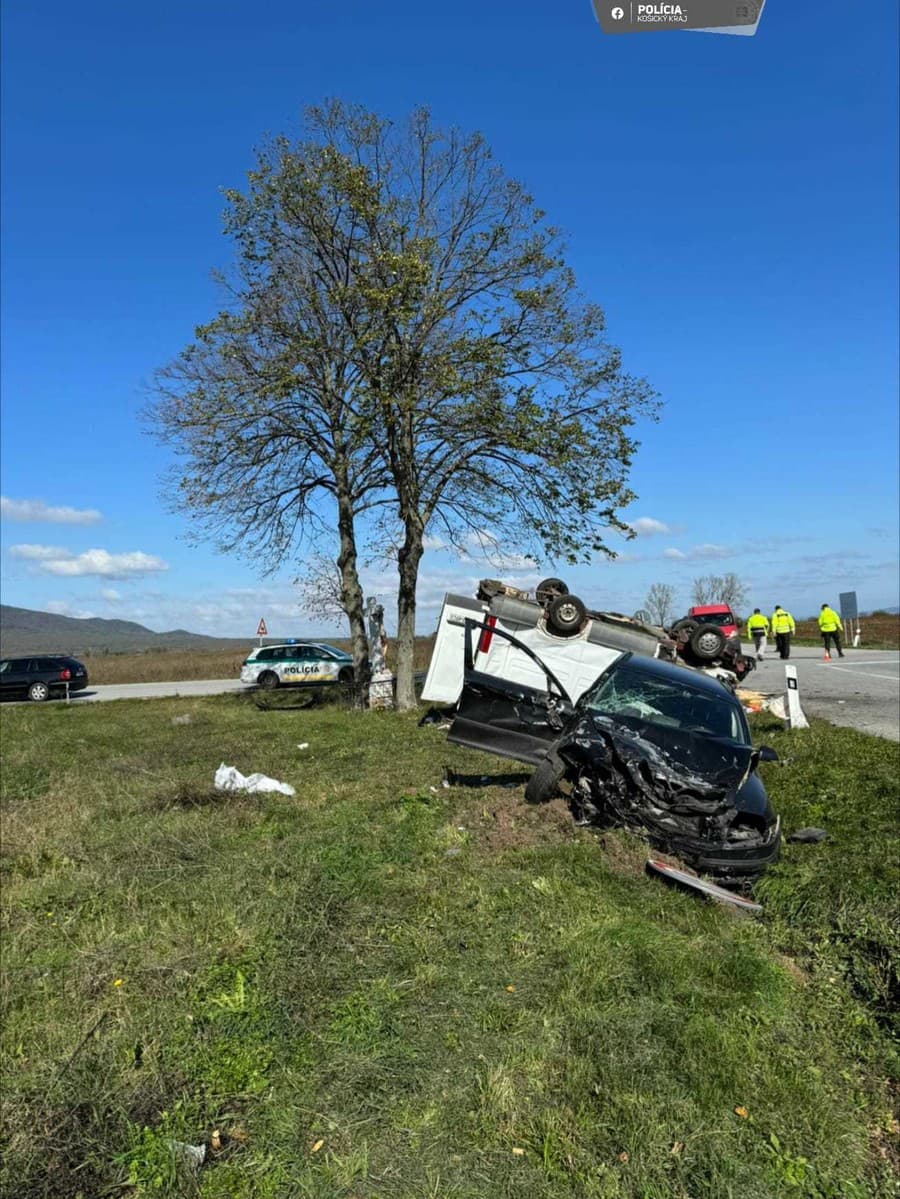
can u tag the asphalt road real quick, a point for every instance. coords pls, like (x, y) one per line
(156, 690)
(860, 691)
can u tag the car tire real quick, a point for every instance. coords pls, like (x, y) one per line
(683, 630)
(707, 642)
(548, 590)
(566, 615)
(39, 692)
(345, 676)
(268, 680)
(544, 783)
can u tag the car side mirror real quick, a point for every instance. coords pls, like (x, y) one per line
(767, 754)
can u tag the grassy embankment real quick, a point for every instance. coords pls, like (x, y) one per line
(378, 988)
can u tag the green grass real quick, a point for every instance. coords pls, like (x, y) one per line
(380, 989)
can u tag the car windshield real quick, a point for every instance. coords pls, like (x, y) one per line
(631, 693)
(715, 618)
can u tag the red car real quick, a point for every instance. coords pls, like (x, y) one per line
(719, 615)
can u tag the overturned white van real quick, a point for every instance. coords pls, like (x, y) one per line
(576, 643)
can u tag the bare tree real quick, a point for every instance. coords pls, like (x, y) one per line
(719, 589)
(320, 590)
(660, 602)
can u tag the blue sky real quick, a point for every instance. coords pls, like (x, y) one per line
(730, 201)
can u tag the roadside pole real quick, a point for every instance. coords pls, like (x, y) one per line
(795, 717)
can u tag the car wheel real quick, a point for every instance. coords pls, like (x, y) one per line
(544, 783)
(268, 679)
(549, 589)
(683, 630)
(39, 692)
(566, 615)
(345, 675)
(707, 642)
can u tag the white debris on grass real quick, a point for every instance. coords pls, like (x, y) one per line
(303, 745)
(192, 1156)
(228, 778)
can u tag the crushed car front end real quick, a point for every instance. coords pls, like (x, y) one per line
(701, 802)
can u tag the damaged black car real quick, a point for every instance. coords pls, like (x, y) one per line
(652, 746)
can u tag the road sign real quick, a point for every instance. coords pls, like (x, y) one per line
(849, 610)
(262, 631)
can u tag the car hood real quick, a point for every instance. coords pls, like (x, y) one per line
(688, 773)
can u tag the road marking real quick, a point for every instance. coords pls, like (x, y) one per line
(890, 677)
(869, 662)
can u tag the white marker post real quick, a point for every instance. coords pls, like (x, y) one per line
(795, 717)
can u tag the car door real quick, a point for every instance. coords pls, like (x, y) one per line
(15, 678)
(510, 719)
(8, 676)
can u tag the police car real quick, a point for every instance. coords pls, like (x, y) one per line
(297, 664)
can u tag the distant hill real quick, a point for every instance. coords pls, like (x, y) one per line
(23, 631)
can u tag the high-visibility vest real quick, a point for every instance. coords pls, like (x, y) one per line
(782, 622)
(829, 621)
(757, 623)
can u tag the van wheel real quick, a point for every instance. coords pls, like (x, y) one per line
(544, 783)
(268, 679)
(683, 630)
(707, 642)
(566, 615)
(549, 589)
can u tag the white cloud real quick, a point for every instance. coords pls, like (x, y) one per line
(647, 526)
(699, 553)
(52, 560)
(37, 553)
(36, 510)
(433, 543)
(111, 595)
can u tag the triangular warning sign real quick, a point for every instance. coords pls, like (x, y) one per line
(262, 631)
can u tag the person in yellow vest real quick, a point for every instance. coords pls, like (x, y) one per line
(831, 629)
(758, 632)
(783, 627)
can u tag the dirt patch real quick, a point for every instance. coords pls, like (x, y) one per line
(797, 973)
(623, 854)
(509, 823)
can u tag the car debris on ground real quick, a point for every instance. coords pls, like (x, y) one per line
(701, 886)
(809, 836)
(228, 778)
(648, 745)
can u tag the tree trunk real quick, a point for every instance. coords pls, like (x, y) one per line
(352, 602)
(408, 573)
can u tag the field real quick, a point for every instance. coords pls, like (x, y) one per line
(881, 630)
(164, 666)
(382, 987)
